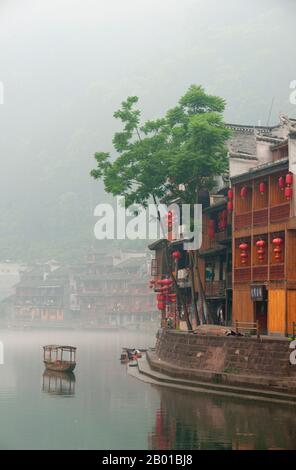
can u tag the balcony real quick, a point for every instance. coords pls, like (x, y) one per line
(223, 235)
(215, 288)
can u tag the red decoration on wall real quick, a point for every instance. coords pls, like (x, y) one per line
(277, 242)
(176, 254)
(244, 192)
(212, 228)
(262, 188)
(260, 244)
(222, 223)
(243, 252)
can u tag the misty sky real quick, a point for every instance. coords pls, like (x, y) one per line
(67, 64)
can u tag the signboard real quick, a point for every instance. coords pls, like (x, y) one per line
(258, 292)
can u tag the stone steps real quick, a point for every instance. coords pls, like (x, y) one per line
(202, 386)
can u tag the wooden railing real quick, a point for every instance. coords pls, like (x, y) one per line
(276, 271)
(242, 220)
(242, 274)
(241, 326)
(260, 273)
(260, 217)
(215, 288)
(279, 213)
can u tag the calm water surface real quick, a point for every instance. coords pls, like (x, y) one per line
(101, 407)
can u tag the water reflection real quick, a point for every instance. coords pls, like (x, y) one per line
(192, 421)
(58, 383)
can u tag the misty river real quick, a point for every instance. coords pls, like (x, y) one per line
(101, 407)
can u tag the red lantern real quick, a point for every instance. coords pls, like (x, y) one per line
(277, 242)
(243, 252)
(288, 193)
(243, 246)
(176, 255)
(289, 179)
(165, 282)
(282, 182)
(230, 194)
(260, 244)
(244, 192)
(164, 288)
(161, 306)
(262, 188)
(230, 206)
(160, 297)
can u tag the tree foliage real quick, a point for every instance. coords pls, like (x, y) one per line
(185, 147)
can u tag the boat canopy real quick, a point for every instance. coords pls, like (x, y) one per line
(57, 352)
(55, 347)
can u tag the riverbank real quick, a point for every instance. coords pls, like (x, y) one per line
(231, 366)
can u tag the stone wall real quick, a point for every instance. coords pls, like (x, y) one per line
(226, 354)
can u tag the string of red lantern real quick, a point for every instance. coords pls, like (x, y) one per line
(243, 252)
(281, 183)
(230, 200)
(288, 188)
(277, 242)
(260, 244)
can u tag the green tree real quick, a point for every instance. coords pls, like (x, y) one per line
(172, 157)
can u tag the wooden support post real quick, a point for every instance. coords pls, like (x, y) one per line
(236, 326)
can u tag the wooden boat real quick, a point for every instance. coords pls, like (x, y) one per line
(133, 363)
(130, 354)
(59, 358)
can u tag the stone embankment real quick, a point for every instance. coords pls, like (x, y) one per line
(227, 364)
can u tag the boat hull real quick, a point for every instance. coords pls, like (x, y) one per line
(62, 366)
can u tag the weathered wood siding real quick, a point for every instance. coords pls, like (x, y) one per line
(243, 308)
